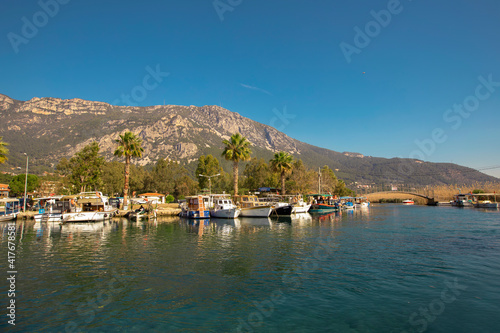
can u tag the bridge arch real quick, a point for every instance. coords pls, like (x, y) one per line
(430, 200)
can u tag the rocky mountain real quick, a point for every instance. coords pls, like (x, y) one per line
(48, 129)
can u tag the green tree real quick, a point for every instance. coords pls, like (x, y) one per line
(209, 166)
(256, 173)
(3, 151)
(84, 169)
(302, 179)
(169, 198)
(185, 186)
(169, 177)
(129, 145)
(64, 167)
(17, 184)
(328, 180)
(282, 163)
(237, 149)
(112, 178)
(139, 179)
(342, 190)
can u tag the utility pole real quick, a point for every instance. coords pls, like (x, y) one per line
(209, 181)
(25, 182)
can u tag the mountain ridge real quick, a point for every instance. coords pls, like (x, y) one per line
(49, 129)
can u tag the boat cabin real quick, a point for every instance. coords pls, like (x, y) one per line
(196, 203)
(247, 201)
(9, 206)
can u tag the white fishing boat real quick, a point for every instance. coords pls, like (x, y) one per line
(483, 200)
(251, 206)
(461, 200)
(50, 209)
(408, 202)
(299, 206)
(486, 204)
(9, 210)
(361, 202)
(222, 206)
(94, 207)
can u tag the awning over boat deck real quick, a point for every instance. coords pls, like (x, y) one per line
(321, 195)
(69, 197)
(481, 194)
(9, 200)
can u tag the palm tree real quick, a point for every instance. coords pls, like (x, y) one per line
(237, 149)
(129, 145)
(3, 151)
(283, 164)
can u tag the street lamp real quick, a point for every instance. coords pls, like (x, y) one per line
(26, 182)
(209, 181)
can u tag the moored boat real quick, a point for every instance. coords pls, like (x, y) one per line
(322, 203)
(483, 200)
(361, 202)
(93, 207)
(299, 206)
(50, 209)
(195, 207)
(461, 200)
(10, 209)
(408, 202)
(280, 208)
(251, 206)
(486, 204)
(221, 206)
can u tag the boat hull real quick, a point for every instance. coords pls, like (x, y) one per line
(87, 216)
(300, 209)
(8, 217)
(195, 214)
(493, 205)
(282, 210)
(323, 208)
(263, 211)
(48, 217)
(229, 213)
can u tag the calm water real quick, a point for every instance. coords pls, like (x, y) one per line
(387, 269)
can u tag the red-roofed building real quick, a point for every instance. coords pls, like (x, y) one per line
(160, 198)
(4, 191)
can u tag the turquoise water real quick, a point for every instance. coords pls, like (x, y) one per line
(387, 269)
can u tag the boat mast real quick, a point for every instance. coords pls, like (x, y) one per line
(319, 180)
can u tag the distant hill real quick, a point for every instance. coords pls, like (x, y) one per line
(51, 128)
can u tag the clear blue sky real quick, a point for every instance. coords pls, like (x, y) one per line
(271, 55)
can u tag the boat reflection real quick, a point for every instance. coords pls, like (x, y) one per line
(333, 217)
(257, 221)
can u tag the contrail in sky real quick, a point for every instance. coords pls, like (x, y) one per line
(256, 88)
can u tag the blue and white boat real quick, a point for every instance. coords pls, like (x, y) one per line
(196, 207)
(9, 210)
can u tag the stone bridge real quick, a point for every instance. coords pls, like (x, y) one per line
(430, 200)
